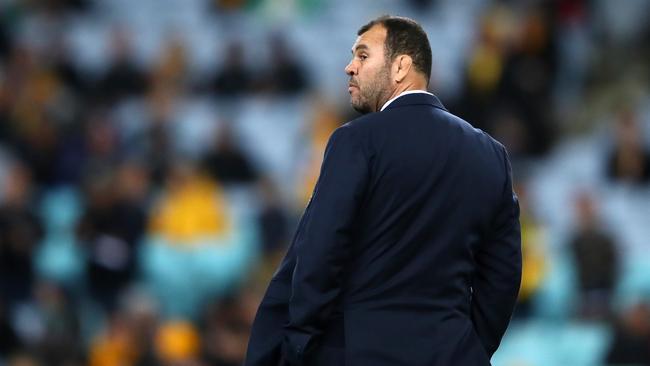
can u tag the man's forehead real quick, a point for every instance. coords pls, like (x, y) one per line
(372, 38)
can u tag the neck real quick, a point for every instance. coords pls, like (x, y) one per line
(401, 88)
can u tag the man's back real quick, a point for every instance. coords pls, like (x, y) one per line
(430, 264)
(436, 186)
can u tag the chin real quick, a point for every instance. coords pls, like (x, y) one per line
(363, 109)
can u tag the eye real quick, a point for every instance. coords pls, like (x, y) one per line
(363, 57)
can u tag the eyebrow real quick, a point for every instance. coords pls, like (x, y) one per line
(358, 47)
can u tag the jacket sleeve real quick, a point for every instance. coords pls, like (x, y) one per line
(264, 344)
(323, 244)
(496, 282)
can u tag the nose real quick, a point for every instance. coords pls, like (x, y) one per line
(350, 69)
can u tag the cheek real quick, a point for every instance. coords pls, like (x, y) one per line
(369, 74)
(364, 78)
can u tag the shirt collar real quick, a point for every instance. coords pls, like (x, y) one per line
(402, 94)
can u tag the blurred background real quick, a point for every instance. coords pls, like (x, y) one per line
(155, 156)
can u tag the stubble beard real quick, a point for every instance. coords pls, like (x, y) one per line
(373, 93)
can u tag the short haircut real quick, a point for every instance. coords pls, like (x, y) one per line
(404, 36)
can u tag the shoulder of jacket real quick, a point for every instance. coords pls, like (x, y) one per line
(365, 120)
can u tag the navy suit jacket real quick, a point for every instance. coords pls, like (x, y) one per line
(408, 253)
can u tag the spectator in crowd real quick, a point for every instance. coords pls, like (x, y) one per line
(123, 77)
(141, 312)
(596, 258)
(171, 69)
(115, 345)
(56, 332)
(226, 162)
(286, 75)
(33, 93)
(195, 247)
(273, 223)
(66, 69)
(155, 145)
(629, 160)
(130, 335)
(9, 341)
(484, 67)
(509, 128)
(184, 212)
(227, 330)
(631, 337)
(101, 141)
(497, 97)
(38, 145)
(23, 359)
(75, 154)
(20, 232)
(111, 228)
(177, 343)
(273, 219)
(234, 78)
(528, 74)
(5, 38)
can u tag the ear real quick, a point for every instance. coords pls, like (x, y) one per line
(401, 67)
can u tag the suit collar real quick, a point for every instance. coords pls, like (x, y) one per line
(415, 99)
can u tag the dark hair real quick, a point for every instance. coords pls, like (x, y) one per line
(404, 36)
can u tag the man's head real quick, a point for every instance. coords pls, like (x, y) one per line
(391, 55)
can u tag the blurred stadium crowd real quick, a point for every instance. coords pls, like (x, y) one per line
(155, 156)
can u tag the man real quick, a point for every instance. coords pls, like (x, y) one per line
(409, 251)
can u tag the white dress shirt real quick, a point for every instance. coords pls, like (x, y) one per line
(402, 94)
